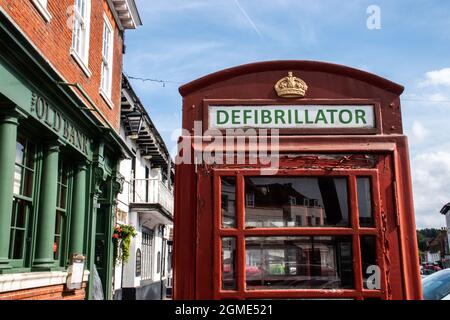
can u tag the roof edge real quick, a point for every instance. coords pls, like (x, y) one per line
(306, 65)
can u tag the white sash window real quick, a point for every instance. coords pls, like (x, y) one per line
(107, 61)
(41, 6)
(80, 35)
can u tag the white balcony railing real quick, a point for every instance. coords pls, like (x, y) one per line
(151, 191)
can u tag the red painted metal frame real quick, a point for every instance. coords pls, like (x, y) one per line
(198, 277)
(305, 65)
(240, 233)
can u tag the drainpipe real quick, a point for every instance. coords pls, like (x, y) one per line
(163, 257)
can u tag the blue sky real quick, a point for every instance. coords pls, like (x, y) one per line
(182, 40)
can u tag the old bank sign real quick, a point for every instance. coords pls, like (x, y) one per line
(334, 220)
(55, 120)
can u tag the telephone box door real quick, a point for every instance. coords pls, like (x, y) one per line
(324, 226)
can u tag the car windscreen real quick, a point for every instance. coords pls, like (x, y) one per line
(437, 285)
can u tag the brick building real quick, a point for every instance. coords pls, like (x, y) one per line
(60, 93)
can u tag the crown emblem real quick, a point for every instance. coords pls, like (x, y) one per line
(291, 87)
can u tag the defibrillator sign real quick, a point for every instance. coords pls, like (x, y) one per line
(292, 117)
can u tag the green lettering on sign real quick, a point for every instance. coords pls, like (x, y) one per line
(320, 117)
(345, 116)
(360, 115)
(235, 116)
(225, 118)
(247, 115)
(266, 117)
(279, 116)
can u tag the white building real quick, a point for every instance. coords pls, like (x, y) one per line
(146, 202)
(446, 211)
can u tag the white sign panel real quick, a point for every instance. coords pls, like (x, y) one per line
(75, 277)
(293, 117)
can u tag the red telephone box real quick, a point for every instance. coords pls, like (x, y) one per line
(293, 181)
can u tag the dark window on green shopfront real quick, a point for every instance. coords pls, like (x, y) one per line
(64, 183)
(24, 176)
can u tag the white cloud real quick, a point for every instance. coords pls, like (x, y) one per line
(418, 132)
(431, 185)
(436, 78)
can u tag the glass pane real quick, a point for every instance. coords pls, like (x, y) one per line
(20, 150)
(299, 263)
(64, 174)
(228, 202)
(21, 214)
(56, 248)
(18, 247)
(62, 186)
(23, 171)
(296, 202)
(14, 213)
(29, 161)
(370, 268)
(17, 180)
(19, 223)
(62, 197)
(28, 183)
(228, 263)
(58, 223)
(364, 202)
(59, 229)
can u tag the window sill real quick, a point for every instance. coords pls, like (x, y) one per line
(81, 63)
(107, 99)
(42, 10)
(30, 280)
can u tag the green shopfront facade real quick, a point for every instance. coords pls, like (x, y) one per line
(58, 169)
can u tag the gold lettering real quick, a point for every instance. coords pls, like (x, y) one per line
(66, 129)
(79, 139)
(85, 145)
(40, 107)
(57, 121)
(47, 112)
(72, 134)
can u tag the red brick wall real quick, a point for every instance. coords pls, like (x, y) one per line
(58, 292)
(54, 40)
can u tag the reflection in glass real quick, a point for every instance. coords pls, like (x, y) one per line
(61, 213)
(228, 263)
(28, 183)
(296, 202)
(299, 263)
(17, 180)
(62, 186)
(18, 228)
(57, 243)
(20, 150)
(364, 202)
(228, 202)
(369, 260)
(24, 168)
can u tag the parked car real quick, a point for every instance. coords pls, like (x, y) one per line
(429, 268)
(437, 286)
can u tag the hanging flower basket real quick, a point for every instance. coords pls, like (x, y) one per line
(122, 240)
